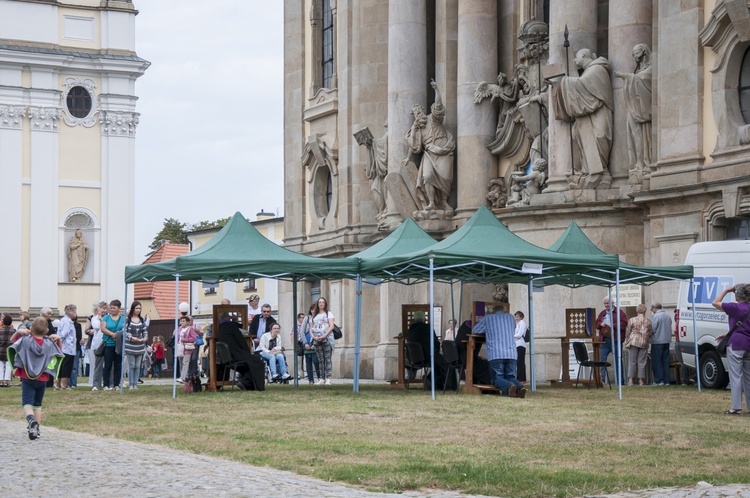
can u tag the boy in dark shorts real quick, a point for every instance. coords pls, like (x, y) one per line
(37, 359)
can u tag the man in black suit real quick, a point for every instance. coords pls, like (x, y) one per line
(261, 323)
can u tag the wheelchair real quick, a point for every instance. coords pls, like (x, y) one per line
(269, 377)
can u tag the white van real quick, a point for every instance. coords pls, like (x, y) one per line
(717, 265)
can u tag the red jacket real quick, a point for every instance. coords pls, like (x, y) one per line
(623, 323)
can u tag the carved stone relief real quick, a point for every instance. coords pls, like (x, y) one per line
(320, 163)
(44, 118)
(11, 116)
(70, 83)
(118, 123)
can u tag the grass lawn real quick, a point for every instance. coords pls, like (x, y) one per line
(553, 443)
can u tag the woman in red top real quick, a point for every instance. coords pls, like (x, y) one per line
(158, 349)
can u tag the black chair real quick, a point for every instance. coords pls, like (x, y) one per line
(452, 358)
(416, 359)
(224, 360)
(582, 357)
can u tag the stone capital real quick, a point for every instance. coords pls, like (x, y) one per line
(118, 123)
(45, 118)
(11, 116)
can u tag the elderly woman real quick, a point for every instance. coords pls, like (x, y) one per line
(738, 346)
(637, 337)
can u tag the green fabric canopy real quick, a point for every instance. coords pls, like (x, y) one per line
(573, 241)
(238, 252)
(407, 238)
(482, 250)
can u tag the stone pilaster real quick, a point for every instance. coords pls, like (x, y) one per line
(11, 167)
(629, 25)
(581, 18)
(477, 61)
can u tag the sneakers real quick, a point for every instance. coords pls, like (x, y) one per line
(320, 382)
(94, 388)
(33, 429)
(107, 388)
(286, 376)
(328, 382)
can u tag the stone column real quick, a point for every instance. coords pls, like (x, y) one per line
(629, 25)
(407, 78)
(446, 53)
(477, 61)
(581, 19)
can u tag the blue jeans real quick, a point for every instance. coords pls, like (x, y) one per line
(134, 368)
(503, 374)
(311, 359)
(607, 347)
(660, 363)
(73, 381)
(156, 368)
(275, 362)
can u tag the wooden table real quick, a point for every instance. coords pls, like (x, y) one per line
(565, 381)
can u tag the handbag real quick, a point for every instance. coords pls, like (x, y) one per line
(722, 346)
(189, 346)
(527, 336)
(337, 334)
(99, 351)
(198, 340)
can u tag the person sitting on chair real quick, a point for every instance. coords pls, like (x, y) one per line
(271, 351)
(420, 333)
(251, 373)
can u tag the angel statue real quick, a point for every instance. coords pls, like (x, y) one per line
(534, 182)
(506, 90)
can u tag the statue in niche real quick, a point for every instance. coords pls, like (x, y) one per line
(500, 294)
(78, 253)
(533, 183)
(429, 137)
(506, 92)
(637, 94)
(587, 100)
(377, 166)
(496, 197)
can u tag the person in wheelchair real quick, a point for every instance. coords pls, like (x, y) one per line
(270, 349)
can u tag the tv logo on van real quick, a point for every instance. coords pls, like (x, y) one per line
(708, 287)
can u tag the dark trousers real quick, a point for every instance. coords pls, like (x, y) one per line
(311, 359)
(112, 366)
(660, 363)
(521, 363)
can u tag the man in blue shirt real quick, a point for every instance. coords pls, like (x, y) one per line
(499, 329)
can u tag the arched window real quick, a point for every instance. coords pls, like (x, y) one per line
(329, 191)
(744, 87)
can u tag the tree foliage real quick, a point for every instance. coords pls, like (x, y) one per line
(173, 231)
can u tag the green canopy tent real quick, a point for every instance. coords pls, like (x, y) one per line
(407, 238)
(574, 241)
(238, 252)
(483, 250)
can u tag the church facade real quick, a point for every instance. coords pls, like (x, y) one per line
(67, 139)
(630, 118)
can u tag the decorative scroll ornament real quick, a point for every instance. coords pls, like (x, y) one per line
(89, 120)
(118, 123)
(44, 118)
(11, 116)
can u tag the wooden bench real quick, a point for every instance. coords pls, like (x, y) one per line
(486, 388)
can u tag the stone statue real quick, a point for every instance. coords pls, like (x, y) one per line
(78, 253)
(496, 197)
(533, 183)
(500, 294)
(429, 137)
(637, 93)
(377, 166)
(506, 91)
(587, 99)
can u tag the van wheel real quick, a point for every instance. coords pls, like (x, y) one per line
(713, 375)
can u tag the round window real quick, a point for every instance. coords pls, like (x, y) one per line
(79, 102)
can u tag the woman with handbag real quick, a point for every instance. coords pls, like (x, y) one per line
(738, 343)
(186, 345)
(308, 347)
(96, 349)
(322, 331)
(112, 325)
(637, 338)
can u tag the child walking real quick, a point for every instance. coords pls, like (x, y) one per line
(37, 359)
